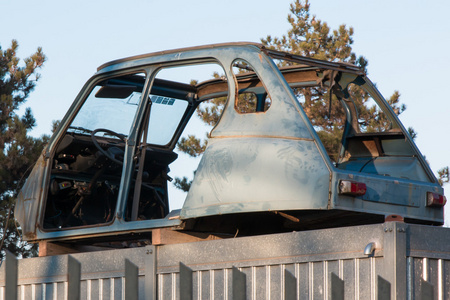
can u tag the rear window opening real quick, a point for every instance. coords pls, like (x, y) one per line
(356, 132)
(252, 96)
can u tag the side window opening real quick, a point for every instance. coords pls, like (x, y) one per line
(252, 96)
(328, 119)
(165, 157)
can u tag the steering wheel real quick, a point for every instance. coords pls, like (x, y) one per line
(112, 151)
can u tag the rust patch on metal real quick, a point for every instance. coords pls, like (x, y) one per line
(394, 218)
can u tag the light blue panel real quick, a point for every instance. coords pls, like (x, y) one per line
(258, 174)
(386, 195)
(284, 118)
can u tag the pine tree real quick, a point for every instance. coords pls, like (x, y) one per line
(443, 176)
(18, 150)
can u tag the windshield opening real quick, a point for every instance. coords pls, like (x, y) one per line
(111, 104)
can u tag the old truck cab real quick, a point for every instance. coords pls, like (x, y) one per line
(296, 146)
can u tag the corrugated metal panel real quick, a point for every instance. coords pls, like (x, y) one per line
(281, 266)
(312, 280)
(435, 272)
(429, 262)
(309, 256)
(105, 288)
(102, 275)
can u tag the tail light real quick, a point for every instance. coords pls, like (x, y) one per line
(435, 199)
(352, 188)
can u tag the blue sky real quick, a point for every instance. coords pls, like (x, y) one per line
(405, 42)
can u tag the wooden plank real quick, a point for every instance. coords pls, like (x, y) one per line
(49, 249)
(167, 236)
(58, 248)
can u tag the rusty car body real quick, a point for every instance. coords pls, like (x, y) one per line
(105, 171)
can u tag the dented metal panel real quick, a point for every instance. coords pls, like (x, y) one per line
(28, 200)
(231, 177)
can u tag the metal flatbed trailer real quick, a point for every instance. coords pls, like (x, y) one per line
(393, 260)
